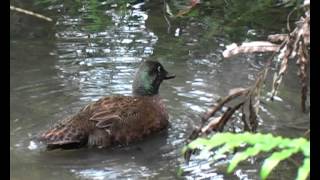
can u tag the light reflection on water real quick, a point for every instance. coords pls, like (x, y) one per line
(83, 66)
(103, 63)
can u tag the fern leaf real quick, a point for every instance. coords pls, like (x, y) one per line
(274, 160)
(259, 143)
(199, 143)
(228, 147)
(202, 143)
(304, 170)
(251, 151)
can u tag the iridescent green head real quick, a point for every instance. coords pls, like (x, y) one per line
(148, 78)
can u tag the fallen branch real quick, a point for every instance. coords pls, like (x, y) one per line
(250, 47)
(277, 37)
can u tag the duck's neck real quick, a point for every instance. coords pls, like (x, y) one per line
(144, 85)
(141, 91)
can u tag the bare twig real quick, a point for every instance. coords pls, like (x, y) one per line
(252, 116)
(213, 124)
(283, 68)
(226, 99)
(288, 19)
(227, 115)
(30, 13)
(218, 123)
(167, 10)
(243, 119)
(302, 72)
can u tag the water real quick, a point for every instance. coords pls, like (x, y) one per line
(92, 50)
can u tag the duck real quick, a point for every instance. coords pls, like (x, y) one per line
(115, 119)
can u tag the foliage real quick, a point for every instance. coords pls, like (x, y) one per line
(282, 149)
(234, 19)
(293, 45)
(91, 12)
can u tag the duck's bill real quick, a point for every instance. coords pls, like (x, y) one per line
(169, 76)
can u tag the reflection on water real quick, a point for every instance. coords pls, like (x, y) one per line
(95, 52)
(103, 63)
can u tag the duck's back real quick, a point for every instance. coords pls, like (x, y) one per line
(110, 120)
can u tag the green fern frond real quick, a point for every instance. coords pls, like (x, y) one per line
(255, 144)
(304, 170)
(274, 160)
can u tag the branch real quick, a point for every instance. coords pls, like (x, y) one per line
(30, 13)
(277, 37)
(250, 47)
(230, 97)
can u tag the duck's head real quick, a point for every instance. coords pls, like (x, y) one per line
(148, 78)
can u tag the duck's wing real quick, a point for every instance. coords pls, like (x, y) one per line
(125, 114)
(113, 111)
(117, 117)
(74, 129)
(65, 134)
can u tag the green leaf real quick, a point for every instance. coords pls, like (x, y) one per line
(216, 141)
(193, 13)
(274, 160)
(257, 138)
(180, 172)
(298, 142)
(184, 150)
(227, 148)
(251, 151)
(306, 149)
(304, 170)
(198, 143)
(258, 143)
(269, 145)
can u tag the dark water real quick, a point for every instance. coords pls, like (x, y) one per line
(92, 50)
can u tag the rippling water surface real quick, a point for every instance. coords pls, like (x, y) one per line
(93, 50)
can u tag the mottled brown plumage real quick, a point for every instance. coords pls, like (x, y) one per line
(116, 119)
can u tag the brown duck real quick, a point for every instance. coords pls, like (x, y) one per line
(116, 119)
